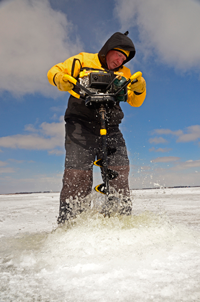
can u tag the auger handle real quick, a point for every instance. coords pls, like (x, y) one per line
(136, 76)
(72, 80)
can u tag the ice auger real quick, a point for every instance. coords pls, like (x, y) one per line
(100, 88)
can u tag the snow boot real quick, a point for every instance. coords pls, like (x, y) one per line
(125, 207)
(71, 208)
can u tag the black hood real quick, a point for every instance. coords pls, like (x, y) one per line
(117, 40)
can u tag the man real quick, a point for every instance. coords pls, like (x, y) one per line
(83, 140)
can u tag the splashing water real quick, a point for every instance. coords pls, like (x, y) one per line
(143, 257)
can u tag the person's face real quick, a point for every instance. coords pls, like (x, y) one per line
(114, 59)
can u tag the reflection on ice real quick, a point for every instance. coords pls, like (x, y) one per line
(150, 256)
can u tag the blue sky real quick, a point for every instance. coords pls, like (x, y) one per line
(162, 136)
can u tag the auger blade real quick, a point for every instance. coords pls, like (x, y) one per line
(112, 174)
(98, 162)
(101, 189)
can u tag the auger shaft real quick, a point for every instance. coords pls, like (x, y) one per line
(103, 132)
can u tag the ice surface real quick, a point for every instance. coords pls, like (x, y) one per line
(154, 255)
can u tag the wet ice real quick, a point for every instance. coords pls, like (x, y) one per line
(151, 256)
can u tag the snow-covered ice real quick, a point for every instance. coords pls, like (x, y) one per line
(154, 255)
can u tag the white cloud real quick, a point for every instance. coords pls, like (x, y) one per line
(16, 161)
(192, 133)
(33, 38)
(188, 164)
(2, 163)
(168, 28)
(48, 136)
(29, 142)
(56, 152)
(168, 131)
(31, 184)
(4, 169)
(157, 140)
(165, 159)
(162, 150)
(180, 174)
(165, 178)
